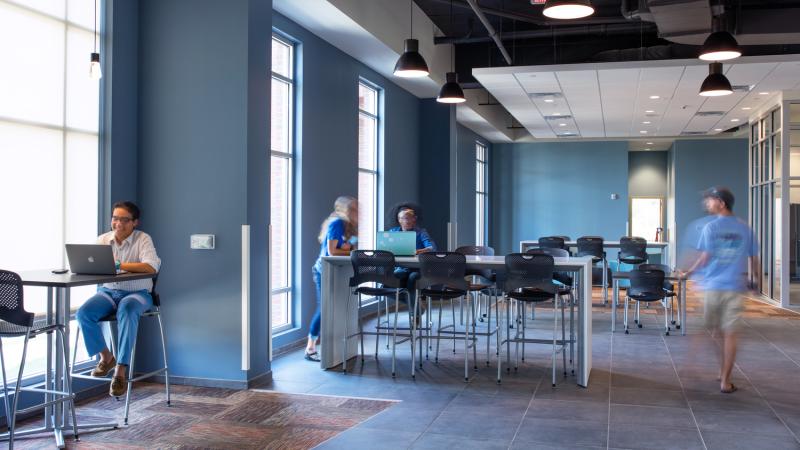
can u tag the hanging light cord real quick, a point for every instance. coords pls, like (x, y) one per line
(95, 26)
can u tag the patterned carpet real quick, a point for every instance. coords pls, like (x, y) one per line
(215, 418)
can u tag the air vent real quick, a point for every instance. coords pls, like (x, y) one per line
(710, 113)
(693, 133)
(567, 134)
(544, 95)
(742, 87)
(566, 117)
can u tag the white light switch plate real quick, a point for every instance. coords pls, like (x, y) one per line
(202, 241)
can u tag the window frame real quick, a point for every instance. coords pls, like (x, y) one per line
(375, 173)
(289, 156)
(481, 216)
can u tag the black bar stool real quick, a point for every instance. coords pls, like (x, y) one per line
(15, 321)
(593, 246)
(646, 286)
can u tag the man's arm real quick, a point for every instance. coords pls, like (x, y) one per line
(700, 262)
(149, 262)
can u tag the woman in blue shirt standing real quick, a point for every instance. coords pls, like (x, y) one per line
(405, 216)
(337, 237)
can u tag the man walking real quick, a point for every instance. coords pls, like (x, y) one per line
(726, 247)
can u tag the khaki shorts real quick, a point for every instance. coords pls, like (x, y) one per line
(722, 309)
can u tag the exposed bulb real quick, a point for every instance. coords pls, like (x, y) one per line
(95, 72)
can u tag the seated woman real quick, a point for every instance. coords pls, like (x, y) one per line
(405, 217)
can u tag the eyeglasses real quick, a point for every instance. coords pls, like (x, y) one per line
(121, 219)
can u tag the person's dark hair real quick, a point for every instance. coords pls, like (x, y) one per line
(128, 206)
(392, 219)
(721, 193)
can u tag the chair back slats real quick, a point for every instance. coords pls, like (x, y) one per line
(373, 266)
(554, 252)
(529, 271)
(633, 250)
(662, 267)
(12, 307)
(442, 269)
(552, 242)
(646, 285)
(591, 246)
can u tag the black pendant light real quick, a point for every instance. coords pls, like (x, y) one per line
(720, 45)
(716, 84)
(567, 9)
(451, 91)
(95, 72)
(411, 64)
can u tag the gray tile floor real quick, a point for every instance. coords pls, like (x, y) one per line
(646, 390)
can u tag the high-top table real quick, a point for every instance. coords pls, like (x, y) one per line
(337, 270)
(58, 312)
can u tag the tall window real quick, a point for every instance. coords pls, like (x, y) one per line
(367, 164)
(282, 157)
(481, 192)
(49, 125)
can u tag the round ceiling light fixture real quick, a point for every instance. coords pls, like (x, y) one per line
(715, 84)
(411, 64)
(567, 9)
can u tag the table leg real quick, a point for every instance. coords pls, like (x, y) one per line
(614, 302)
(48, 374)
(605, 282)
(682, 299)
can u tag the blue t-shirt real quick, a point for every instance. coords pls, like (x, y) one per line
(335, 231)
(423, 238)
(729, 244)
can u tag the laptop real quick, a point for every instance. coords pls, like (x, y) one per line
(91, 259)
(401, 243)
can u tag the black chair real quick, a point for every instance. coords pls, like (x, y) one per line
(669, 287)
(16, 322)
(528, 279)
(593, 246)
(155, 311)
(632, 250)
(482, 284)
(553, 242)
(442, 278)
(374, 266)
(646, 286)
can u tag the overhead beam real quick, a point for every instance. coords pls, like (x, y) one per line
(490, 29)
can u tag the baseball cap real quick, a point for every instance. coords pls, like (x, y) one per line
(721, 193)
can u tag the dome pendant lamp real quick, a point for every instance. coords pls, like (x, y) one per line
(720, 45)
(567, 9)
(716, 84)
(411, 64)
(451, 91)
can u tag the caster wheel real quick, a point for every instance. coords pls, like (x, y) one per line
(626, 332)
(677, 327)
(480, 320)
(639, 325)
(666, 334)
(498, 381)
(673, 322)
(392, 374)
(508, 370)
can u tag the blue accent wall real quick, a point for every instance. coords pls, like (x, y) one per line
(436, 121)
(700, 164)
(466, 215)
(557, 188)
(327, 149)
(203, 168)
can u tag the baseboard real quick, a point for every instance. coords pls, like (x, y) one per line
(265, 377)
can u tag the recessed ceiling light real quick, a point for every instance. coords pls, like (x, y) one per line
(734, 120)
(556, 114)
(549, 100)
(646, 122)
(648, 148)
(717, 129)
(649, 111)
(643, 131)
(763, 93)
(562, 124)
(746, 108)
(655, 97)
(649, 143)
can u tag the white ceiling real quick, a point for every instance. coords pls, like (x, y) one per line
(616, 100)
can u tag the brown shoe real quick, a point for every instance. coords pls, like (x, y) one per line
(118, 386)
(102, 369)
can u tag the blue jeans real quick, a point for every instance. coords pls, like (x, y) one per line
(129, 306)
(313, 329)
(408, 279)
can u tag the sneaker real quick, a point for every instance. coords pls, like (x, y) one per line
(118, 386)
(102, 369)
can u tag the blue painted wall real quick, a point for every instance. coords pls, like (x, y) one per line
(700, 164)
(436, 122)
(203, 168)
(327, 149)
(465, 144)
(557, 189)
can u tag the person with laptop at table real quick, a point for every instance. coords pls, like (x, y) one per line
(134, 252)
(407, 215)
